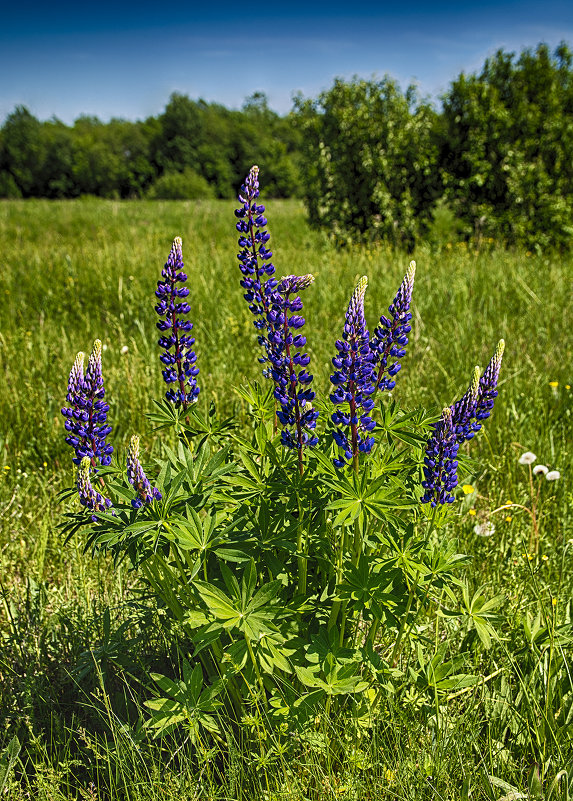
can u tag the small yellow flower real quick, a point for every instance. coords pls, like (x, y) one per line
(529, 556)
(554, 601)
(508, 519)
(390, 775)
(468, 489)
(45, 464)
(472, 512)
(508, 503)
(567, 386)
(554, 384)
(544, 557)
(6, 467)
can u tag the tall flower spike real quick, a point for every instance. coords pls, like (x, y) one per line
(354, 383)
(137, 478)
(391, 335)
(440, 463)
(255, 259)
(87, 415)
(288, 364)
(89, 497)
(178, 356)
(488, 383)
(464, 410)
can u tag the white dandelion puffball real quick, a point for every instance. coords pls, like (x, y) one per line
(527, 458)
(553, 475)
(124, 349)
(484, 529)
(540, 468)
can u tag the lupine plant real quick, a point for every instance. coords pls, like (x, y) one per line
(296, 566)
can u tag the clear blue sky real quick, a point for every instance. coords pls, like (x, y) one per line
(124, 59)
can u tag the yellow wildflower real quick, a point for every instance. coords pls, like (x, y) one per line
(554, 601)
(468, 489)
(472, 512)
(554, 384)
(508, 519)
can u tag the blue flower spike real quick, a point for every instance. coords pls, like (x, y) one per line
(89, 497)
(178, 357)
(353, 382)
(86, 417)
(391, 335)
(137, 478)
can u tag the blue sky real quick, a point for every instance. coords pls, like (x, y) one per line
(124, 59)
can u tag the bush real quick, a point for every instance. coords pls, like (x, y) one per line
(290, 566)
(186, 185)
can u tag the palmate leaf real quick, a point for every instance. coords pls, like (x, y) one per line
(252, 614)
(363, 494)
(186, 702)
(411, 428)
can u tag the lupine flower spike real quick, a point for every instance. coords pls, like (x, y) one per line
(86, 416)
(354, 383)
(254, 258)
(391, 335)
(277, 321)
(464, 410)
(458, 423)
(89, 497)
(289, 363)
(440, 464)
(488, 383)
(136, 476)
(178, 356)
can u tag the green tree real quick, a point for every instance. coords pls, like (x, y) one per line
(507, 147)
(369, 160)
(22, 152)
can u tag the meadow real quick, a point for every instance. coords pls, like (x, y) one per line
(77, 641)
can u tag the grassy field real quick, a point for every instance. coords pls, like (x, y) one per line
(73, 271)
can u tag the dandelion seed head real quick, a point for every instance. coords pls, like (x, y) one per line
(527, 458)
(553, 475)
(485, 529)
(540, 468)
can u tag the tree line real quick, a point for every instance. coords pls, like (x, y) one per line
(371, 161)
(193, 149)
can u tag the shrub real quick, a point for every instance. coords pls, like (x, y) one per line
(186, 185)
(293, 564)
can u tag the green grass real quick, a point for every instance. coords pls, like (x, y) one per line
(73, 271)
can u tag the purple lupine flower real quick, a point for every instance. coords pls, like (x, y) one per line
(477, 403)
(464, 410)
(136, 476)
(391, 335)
(440, 463)
(89, 497)
(254, 257)
(488, 383)
(86, 417)
(354, 383)
(288, 364)
(178, 356)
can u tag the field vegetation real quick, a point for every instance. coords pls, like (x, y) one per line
(81, 637)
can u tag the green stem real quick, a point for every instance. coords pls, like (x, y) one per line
(257, 671)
